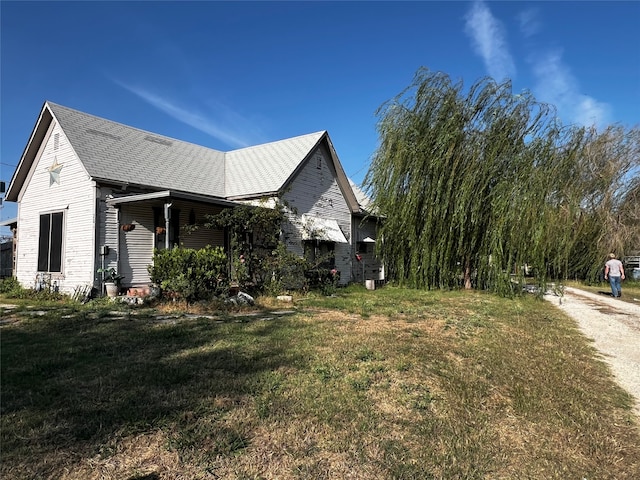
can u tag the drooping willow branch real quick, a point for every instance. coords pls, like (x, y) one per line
(475, 185)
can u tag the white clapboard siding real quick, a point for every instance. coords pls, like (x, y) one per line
(369, 267)
(136, 246)
(106, 235)
(202, 236)
(132, 253)
(75, 195)
(315, 191)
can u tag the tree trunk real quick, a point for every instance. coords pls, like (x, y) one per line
(467, 274)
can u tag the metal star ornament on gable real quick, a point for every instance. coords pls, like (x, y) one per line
(54, 172)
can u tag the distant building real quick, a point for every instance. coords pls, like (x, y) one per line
(7, 249)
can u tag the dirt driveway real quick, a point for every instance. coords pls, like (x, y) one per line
(614, 326)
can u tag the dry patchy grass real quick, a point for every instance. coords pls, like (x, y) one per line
(363, 385)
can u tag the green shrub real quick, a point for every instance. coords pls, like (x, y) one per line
(284, 271)
(11, 287)
(253, 243)
(323, 279)
(190, 274)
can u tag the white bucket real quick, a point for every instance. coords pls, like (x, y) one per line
(370, 284)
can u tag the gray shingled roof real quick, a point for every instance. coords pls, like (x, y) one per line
(114, 152)
(362, 198)
(264, 169)
(119, 153)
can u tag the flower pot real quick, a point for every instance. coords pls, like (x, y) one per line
(112, 289)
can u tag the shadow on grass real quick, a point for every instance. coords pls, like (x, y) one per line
(72, 384)
(151, 476)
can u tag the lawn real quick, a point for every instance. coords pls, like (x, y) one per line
(384, 384)
(630, 290)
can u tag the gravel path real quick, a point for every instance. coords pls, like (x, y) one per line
(614, 326)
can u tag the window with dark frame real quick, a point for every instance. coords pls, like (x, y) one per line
(50, 242)
(362, 247)
(315, 250)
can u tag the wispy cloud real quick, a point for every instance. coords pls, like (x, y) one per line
(489, 41)
(557, 85)
(192, 118)
(529, 23)
(554, 81)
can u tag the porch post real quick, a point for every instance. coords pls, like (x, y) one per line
(167, 218)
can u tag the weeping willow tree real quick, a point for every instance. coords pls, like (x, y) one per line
(607, 183)
(476, 185)
(630, 213)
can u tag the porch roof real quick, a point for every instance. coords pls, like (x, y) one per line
(169, 194)
(9, 222)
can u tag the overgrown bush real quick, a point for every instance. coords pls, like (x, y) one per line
(190, 274)
(324, 279)
(10, 287)
(253, 241)
(285, 272)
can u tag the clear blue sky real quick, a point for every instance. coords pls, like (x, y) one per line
(231, 74)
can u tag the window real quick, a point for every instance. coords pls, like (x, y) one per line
(50, 242)
(319, 253)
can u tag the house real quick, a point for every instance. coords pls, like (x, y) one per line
(93, 193)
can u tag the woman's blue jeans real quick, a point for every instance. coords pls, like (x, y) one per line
(616, 286)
